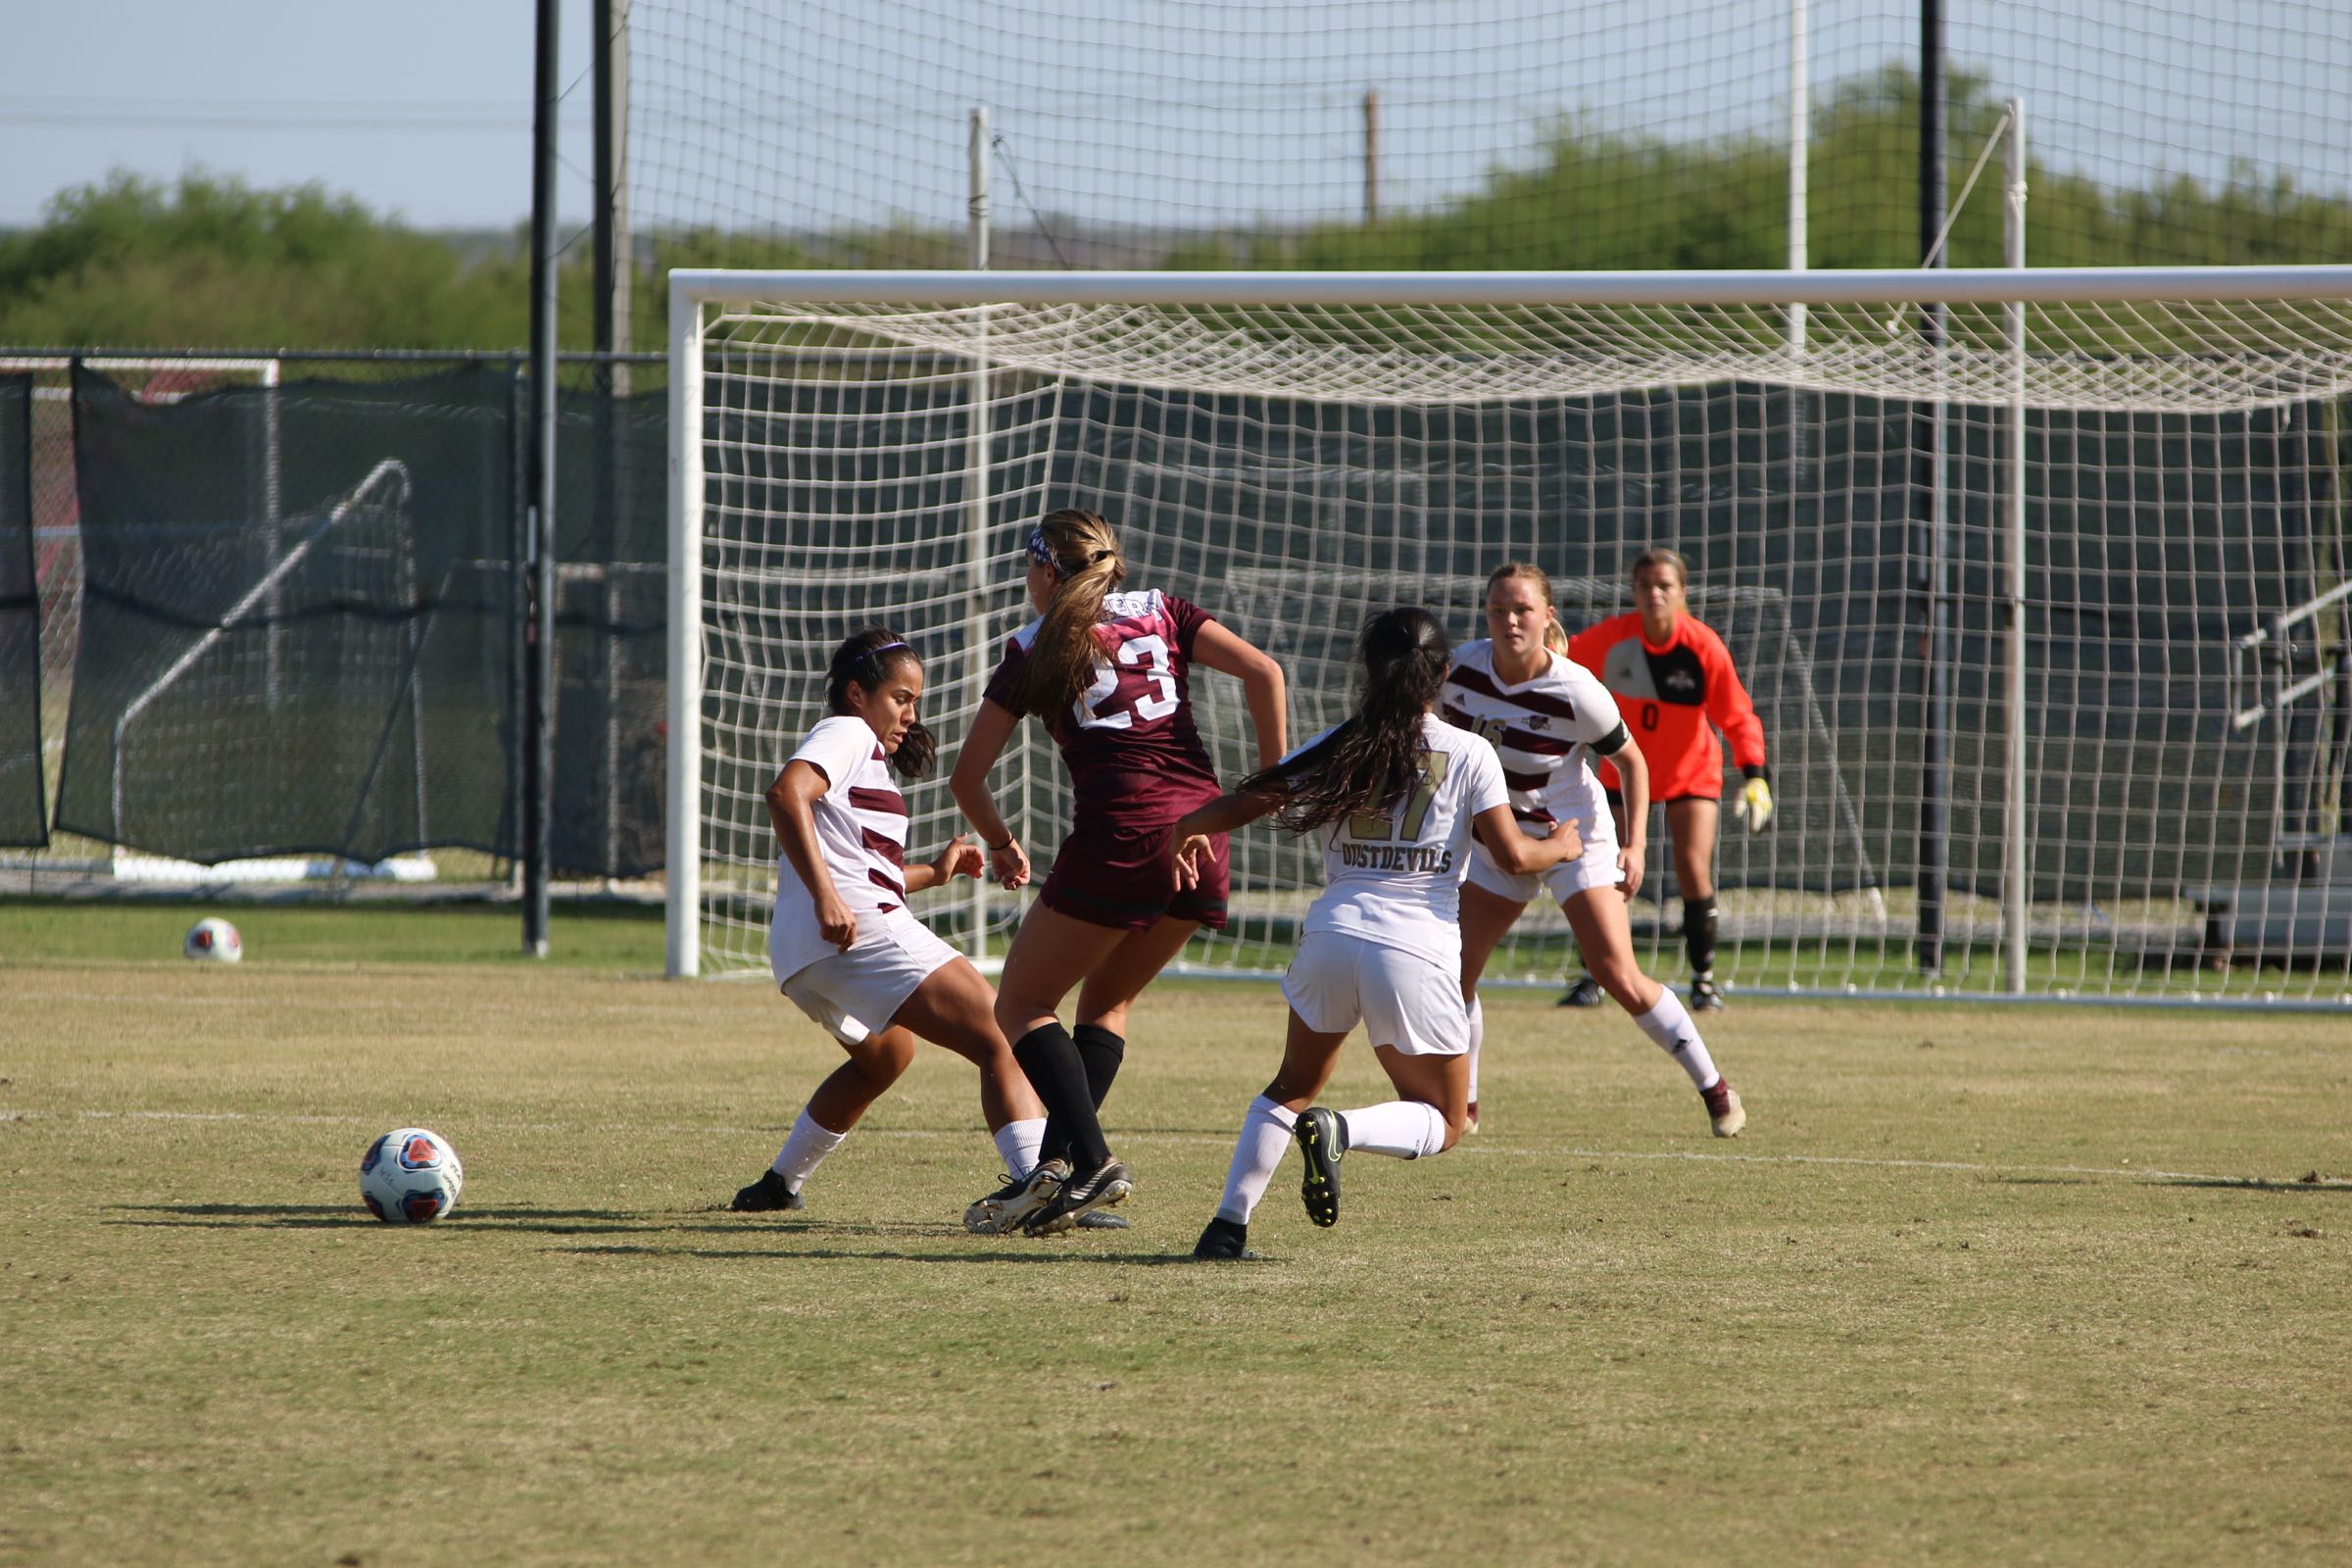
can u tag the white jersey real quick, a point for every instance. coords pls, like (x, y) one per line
(1544, 730)
(862, 835)
(1395, 877)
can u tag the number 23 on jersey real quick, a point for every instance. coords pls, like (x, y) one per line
(1152, 653)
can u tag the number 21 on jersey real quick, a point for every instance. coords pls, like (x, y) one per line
(1159, 703)
(1409, 816)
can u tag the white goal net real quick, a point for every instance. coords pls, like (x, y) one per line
(2005, 568)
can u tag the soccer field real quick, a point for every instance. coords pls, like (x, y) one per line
(1977, 1286)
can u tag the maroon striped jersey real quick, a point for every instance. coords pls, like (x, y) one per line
(1542, 728)
(861, 830)
(1134, 754)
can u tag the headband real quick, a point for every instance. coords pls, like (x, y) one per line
(1043, 552)
(881, 649)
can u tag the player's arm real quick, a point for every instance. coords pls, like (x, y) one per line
(1513, 850)
(991, 726)
(962, 858)
(1224, 814)
(1219, 647)
(1733, 713)
(1632, 781)
(790, 799)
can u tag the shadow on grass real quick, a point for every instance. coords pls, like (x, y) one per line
(314, 1216)
(892, 1255)
(2232, 1183)
(2256, 1184)
(542, 1221)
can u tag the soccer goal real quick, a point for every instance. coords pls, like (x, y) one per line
(1982, 542)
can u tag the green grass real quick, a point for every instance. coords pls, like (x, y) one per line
(1980, 1286)
(618, 936)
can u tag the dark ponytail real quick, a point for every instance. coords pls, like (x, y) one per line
(1370, 762)
(867, 657)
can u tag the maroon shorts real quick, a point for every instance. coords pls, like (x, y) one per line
(1118, 876)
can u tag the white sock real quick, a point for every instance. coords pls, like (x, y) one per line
(1402, 1129)
(1256, 1154)
(1669, 1024)
(1478, 1038)
(1018, 1144)
(804, 1149)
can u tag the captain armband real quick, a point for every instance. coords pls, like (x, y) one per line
(1615, 741)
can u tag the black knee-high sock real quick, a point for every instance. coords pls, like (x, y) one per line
(1050, 1059)
(1101, 1051)
(1699, 933)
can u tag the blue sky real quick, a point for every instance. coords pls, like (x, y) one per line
(816, 111)
(422, 107)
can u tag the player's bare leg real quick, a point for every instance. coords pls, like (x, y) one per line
(953, 1008)
(1605, 936)
(1691, 822)
(875, 1062)
(1050, 955)
(1109, 988)
(1133, 962)
(1267, 1129)
(1486, 918)
(1586, 989)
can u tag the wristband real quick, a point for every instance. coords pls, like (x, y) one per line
(1007, 845)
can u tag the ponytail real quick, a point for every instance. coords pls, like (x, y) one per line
(1374, 756)
(1083, 549)
(867, 657)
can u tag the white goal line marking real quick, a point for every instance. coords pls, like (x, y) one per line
(1958, 1167)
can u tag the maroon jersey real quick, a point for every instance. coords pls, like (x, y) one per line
(1134, 754)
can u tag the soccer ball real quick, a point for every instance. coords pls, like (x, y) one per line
(213, 941)
(411, 1176)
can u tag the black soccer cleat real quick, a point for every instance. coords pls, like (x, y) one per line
(1106, 1184)
(765, 1196)
(1103, 1219)
(1322, 1139)
(1224, 1241)
(1704, 997)
(1004, 1211)
(1586, 993)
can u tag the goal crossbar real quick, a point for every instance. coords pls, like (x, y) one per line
(1958, 285)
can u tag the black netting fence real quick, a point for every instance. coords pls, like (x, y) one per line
(23, 809)
(2155, 542)
(302, 615)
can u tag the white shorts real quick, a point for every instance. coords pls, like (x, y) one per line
(856, 994)
(1596, 868)
(1401, 999)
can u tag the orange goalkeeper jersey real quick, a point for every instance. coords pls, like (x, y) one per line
(1667, 696)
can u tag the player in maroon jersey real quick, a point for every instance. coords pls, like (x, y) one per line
(1108, 671)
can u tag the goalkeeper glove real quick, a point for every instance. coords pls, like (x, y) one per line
(1755, 806)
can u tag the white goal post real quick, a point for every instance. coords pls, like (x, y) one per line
(1983, 542)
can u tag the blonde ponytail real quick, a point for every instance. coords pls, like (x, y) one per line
(1084, 549)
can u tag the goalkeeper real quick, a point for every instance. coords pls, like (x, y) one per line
(1674, 682)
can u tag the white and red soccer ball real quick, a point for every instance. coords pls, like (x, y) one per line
(213, 940)
(411, 1176)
